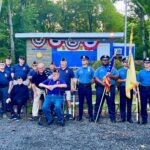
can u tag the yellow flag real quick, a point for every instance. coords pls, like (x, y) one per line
(131, 74)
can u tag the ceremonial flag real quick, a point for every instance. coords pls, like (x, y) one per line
(106, 79)
(131, 74)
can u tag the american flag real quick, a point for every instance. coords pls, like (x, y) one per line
(106, 79)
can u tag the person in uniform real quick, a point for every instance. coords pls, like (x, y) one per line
(143, 78)
(50, 70)
(67, 74)
(30, 75)
(84, 76)
(100, 73)
(125, 103)
(18, 96)
(21, 69)
(39, 92)
(54, 97)
(8, 66)
(5, 86)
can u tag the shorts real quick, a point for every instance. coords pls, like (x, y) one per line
(68, 95)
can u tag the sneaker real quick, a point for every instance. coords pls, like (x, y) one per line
(70, 117)
(13, 117)
(61, 123)
(49, 122)
(18, 118)
(35, 118)
(130, 120)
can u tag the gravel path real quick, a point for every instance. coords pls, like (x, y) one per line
(27, 135)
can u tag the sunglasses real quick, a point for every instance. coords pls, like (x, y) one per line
(105, 59)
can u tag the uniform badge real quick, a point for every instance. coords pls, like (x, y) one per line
(88, 69)
(66, 71)
(6, 75)
(24, 68)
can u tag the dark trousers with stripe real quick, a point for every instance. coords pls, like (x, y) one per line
(110, 99)
(145, 97)
(125, 104)
(85, 91)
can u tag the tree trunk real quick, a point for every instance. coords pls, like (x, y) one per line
(12, 46)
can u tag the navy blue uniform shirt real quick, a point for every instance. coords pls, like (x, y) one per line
(38, 78)
(5, 78)
(56, 91)
(21, 71)
(19, 92)
(8, 68)
(66, 75)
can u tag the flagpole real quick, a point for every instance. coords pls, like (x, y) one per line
(125, 28)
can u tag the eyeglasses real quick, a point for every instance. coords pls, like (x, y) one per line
(105, 60)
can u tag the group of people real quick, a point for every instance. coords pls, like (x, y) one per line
(49, 86)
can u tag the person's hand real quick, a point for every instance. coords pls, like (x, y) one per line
(8, 100)
(110, 75)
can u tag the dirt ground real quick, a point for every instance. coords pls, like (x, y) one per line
(104, 135)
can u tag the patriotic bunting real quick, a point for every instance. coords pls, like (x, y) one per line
(55, 43)
(39, 42)
(69, 44)
(90, 45)
(72, 45)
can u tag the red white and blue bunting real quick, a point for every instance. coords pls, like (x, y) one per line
(39, 42)
(90, 45)
(69, 44)
(72, 45)
(55, 43)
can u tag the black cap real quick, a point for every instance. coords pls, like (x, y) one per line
(125, 59)
(19, 78)
(84, 57)
(104, 57)
(63, 59)
(34, 63)
(146, 60)
(22, 57)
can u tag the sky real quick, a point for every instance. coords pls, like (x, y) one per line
(120, 6)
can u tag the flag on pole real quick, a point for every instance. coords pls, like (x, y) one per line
(106, 79)
(131, 74)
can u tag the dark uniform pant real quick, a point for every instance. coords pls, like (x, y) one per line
(125, 104)
(19, 104)
(85, 91)
(110, 101)
(145, 97)
(3, 97)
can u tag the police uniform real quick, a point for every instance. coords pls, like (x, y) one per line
(124, 101)
(100, 73)
(143, 78)
(85, 76)
(5, 78)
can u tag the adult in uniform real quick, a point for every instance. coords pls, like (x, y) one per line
(100, 73)
(21, 69)
(39, 92)
(143, 78)
(67, 74)
(54, 97)
(84, 75)
(18, 96)
(8, 66)
(5, 86)
(125, 103)
(50, 70)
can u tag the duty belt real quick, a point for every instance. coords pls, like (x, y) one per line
(85, 84)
